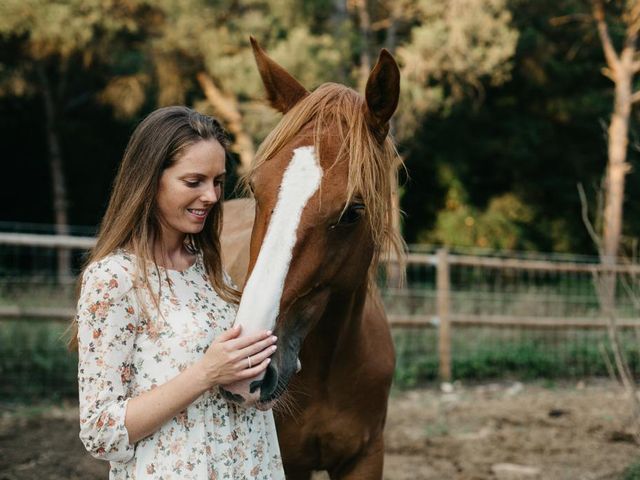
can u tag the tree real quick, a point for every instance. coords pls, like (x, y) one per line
(455, 48)
(198, 49)
(622, 67)
(54, 38)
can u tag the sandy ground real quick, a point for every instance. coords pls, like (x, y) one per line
(492, 431)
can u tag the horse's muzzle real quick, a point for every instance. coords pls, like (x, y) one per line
(263, 392)
(285, 363)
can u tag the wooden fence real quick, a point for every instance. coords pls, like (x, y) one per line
(444, 291)
(446, 316)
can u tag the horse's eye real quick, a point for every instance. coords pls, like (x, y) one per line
(351, 215)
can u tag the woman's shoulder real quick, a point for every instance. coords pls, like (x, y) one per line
(118, 266)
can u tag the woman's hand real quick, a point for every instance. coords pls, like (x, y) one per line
(226, 361)
(230, 359)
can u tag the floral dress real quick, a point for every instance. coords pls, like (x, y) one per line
(129, 344)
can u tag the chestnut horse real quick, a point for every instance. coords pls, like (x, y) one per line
(322, 183)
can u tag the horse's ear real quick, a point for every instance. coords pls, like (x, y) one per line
(283, 91)
(382, 93)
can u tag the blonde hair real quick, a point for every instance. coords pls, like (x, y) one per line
(131, 221)
(373, 165)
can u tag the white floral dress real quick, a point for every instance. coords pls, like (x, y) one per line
(122, 353)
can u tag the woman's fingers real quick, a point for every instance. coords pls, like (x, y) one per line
(250, 360)
(228, 335)
(240, 343)
(236, 358)
(254, 370)
(258, 346)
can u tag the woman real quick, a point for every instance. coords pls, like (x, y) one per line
(155, 315)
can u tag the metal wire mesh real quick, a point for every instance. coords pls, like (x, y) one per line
(524, 318)
(36, 307)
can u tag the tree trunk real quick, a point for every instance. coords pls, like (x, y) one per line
(621, 70)
(58, 182)
(617, 167)
(339, 22)
(228, 109)
(364, 22)
(394, 274)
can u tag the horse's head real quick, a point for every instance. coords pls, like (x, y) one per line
(323, 183)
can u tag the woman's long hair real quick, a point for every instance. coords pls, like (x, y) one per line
(131, 221)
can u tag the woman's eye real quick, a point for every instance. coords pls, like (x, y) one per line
(192, 183)
(351, 215)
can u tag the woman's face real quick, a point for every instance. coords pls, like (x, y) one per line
(190, 188)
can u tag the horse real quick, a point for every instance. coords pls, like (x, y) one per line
(309, 241)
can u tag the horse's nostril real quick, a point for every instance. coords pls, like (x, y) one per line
(255, 385)
(232, 397)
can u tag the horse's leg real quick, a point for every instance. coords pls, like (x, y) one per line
(367, 466)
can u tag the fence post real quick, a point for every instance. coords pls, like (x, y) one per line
(443, 289)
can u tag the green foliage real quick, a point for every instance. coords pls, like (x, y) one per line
(34, 362)
(535, 136)
(491, 353)
(632, 472)
(456, 48)
(502, 226)
(507, 95)
(64, 28)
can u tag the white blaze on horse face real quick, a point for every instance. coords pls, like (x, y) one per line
(260, 302)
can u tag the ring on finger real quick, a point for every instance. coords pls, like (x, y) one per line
(249, 359)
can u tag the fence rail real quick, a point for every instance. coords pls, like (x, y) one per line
(520, 264)
(53, 241)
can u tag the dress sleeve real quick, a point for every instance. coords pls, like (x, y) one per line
(107, 320)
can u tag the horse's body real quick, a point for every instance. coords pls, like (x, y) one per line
(340, 395)
(322, 187)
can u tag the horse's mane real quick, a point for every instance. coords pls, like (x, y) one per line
(373, 166)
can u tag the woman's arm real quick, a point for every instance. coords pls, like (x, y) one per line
(225, 362)
(111, 422)
(107, 324)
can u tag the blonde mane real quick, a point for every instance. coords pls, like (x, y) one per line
(373, 166)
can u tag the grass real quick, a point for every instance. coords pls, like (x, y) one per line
(35, 364)
(632, 472)
(486, 353)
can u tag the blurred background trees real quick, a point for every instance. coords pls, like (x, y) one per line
(504, 107)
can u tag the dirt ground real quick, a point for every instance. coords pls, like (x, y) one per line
(491, 431)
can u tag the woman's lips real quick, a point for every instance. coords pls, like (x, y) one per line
(199, 214)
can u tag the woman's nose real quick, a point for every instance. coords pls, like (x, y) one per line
(209, 195)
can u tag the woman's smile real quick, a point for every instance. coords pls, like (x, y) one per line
(199, 214)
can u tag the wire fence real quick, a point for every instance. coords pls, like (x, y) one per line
(494, 316)
(459, 315)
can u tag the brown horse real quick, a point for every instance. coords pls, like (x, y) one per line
(323, 183)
